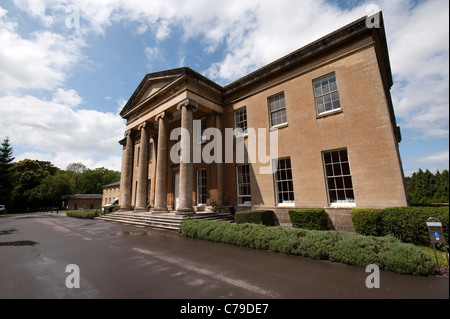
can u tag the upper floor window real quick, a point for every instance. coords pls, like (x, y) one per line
(201, 136)
(326, 94)
(240, 120)
(277, 110)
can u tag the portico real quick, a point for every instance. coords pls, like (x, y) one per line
(156, 113)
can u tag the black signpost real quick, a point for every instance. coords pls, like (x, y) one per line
(436, 236)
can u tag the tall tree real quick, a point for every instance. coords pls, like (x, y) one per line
(28, 176)
(425, 187)
(6, 180)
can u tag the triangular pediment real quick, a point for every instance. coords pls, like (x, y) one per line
(150, 86)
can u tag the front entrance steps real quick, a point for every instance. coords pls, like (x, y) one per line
(169, 221)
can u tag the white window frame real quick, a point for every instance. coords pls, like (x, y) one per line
(287, 203)
(203, 186)
(237, 113)
(240, 196)
(201, 137)
(337, 202)
(283, 108)
(320, 95)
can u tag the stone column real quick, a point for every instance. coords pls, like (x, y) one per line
(126, 178)
(142, 185)
(219, 165)
(186, 165)
(161, 165)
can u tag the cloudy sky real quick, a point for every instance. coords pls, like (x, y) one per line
(67, 67)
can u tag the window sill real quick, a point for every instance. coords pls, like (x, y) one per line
(329, 113)
(276, 127)
(286, 205)
(343, 205)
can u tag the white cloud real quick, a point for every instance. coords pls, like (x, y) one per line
(439, 157)
(40, 61)
(59, 132)
(252, 34)
(432, 161)
(67, 97)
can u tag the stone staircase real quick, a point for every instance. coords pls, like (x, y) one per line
(169, 221)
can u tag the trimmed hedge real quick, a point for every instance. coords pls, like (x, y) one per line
(408, 224)
(84, 214)
(337, 246)
(264, 217)
(313, 219)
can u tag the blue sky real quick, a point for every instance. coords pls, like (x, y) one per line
(62, 85)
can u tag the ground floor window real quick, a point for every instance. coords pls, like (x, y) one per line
(339, 178)
(284, 187)
(201, 186)
(243, 184)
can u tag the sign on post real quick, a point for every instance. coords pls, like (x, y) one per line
(437, 236)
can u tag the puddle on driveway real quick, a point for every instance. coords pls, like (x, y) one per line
(19, 243)
(132, 233)
(7, 231)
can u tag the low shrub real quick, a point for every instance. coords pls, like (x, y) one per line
(264, 217)
(313, 219)
(405, 223)
(349, 248)
(84, 213)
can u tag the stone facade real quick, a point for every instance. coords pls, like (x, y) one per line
(330, 104)
(82, 201)
(110, 192)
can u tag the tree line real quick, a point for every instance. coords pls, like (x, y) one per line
(32, 185)
(425, 187)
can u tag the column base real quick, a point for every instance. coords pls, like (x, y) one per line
(185, 211)
(140, 210)
(125, 209)
(159, 210)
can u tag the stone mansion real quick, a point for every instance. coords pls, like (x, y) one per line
(328, 103)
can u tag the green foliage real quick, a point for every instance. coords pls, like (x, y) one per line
(264, 217)
(313, 219)
(6, 176)
(349, 248)
(408, 224)
(84, 213)
(367, 221)
(28, 176)
(426, 187)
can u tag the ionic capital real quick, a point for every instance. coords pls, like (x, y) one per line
(163, 115)
(145, 125)
(188, 103)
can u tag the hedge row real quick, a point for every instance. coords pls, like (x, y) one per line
(84, 214)
(264, 217)
(405, 223)
(349, 248)
(313, 219)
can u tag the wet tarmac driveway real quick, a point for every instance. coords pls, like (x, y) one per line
(118, 261)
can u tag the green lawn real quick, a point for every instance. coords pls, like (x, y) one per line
(441, 255)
